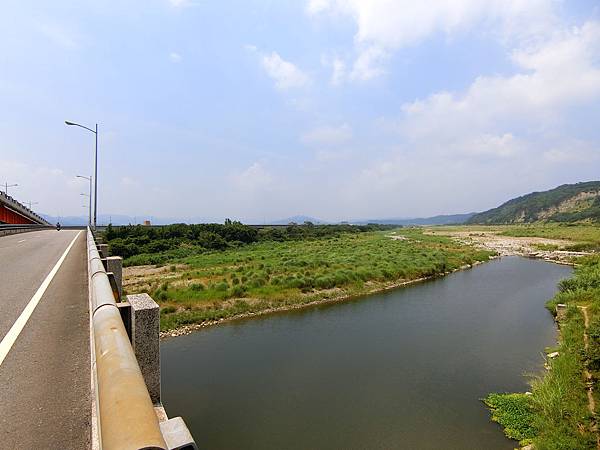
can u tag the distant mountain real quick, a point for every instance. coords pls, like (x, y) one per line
(566, 203)
(450, 219)
(297, 219)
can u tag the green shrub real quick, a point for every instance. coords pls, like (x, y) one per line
(197, 287)
(515, 413)
(168, 310)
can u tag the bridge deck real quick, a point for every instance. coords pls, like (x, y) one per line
(45, 375)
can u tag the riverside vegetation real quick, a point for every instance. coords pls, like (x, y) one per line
(206, 277)
(558, 413)
(206, 273)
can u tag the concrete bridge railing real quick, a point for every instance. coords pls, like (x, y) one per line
(126, 364)
(13, 229)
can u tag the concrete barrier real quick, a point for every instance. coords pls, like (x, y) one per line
(6, 230)
(126, 366)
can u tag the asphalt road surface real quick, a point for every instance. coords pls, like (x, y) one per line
(45, 368)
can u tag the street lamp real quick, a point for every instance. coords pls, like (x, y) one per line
(90, 196)
(6, 186)
(30, 203)
(95, 168)
(89, 206)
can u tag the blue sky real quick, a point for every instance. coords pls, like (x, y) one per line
(259, 110)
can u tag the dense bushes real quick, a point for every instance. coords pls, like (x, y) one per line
(155, 245)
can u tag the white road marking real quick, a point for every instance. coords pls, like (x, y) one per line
(22, 240)
(20, 323)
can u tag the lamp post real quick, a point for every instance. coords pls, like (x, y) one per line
(89, 206)
(95, 168)
(30, 203)
(90, 196)
(6, 186)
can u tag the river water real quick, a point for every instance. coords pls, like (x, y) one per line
(405, 369)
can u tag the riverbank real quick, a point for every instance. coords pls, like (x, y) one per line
(187, 329)
(560, 410)
(498, 240)
(263, 278)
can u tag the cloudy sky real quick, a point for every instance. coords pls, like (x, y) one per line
(260, 110)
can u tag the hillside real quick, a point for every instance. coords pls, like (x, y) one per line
(451, 219)
(566, 203)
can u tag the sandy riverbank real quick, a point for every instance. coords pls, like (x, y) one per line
(531, 247)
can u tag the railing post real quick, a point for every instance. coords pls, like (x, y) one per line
(114, 264)
(145, 340)
(103, 250)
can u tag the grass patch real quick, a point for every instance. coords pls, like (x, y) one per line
(277, 274)
(561, 415)
(515, 413)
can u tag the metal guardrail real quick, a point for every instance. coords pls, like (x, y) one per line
(126, 416)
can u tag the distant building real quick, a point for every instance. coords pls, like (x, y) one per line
(147, 223)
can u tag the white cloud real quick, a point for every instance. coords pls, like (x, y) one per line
(369, 64)
(339, 71)
(573, 152)
(253, 178)
(328, 135)
(507, 129)
(398, 23)
(175, 57)
(562, 72)
(285, 73)
(387, 25)
(487, 145)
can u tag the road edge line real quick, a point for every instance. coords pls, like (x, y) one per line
(10, 338)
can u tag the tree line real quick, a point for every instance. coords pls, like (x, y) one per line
(183, 239)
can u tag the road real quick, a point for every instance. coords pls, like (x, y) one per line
(45, 368)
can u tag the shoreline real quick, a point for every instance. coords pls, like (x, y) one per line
(191, 328)
(556, 257)
(516, 247)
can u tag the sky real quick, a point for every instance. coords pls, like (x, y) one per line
(260, 110)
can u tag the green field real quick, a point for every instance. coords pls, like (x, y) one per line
(275, 275)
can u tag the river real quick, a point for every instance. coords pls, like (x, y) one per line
(404, 369)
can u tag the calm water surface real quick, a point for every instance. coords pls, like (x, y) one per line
(399, 370)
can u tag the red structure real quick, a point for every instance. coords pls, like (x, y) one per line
(14, 213)
(11, 216)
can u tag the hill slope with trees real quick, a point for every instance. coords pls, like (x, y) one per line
(567, 203)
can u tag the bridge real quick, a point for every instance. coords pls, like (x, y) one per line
(79, 362)
(13, 212)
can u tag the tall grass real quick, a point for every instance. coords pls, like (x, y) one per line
(561, 415)
(272, 274)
